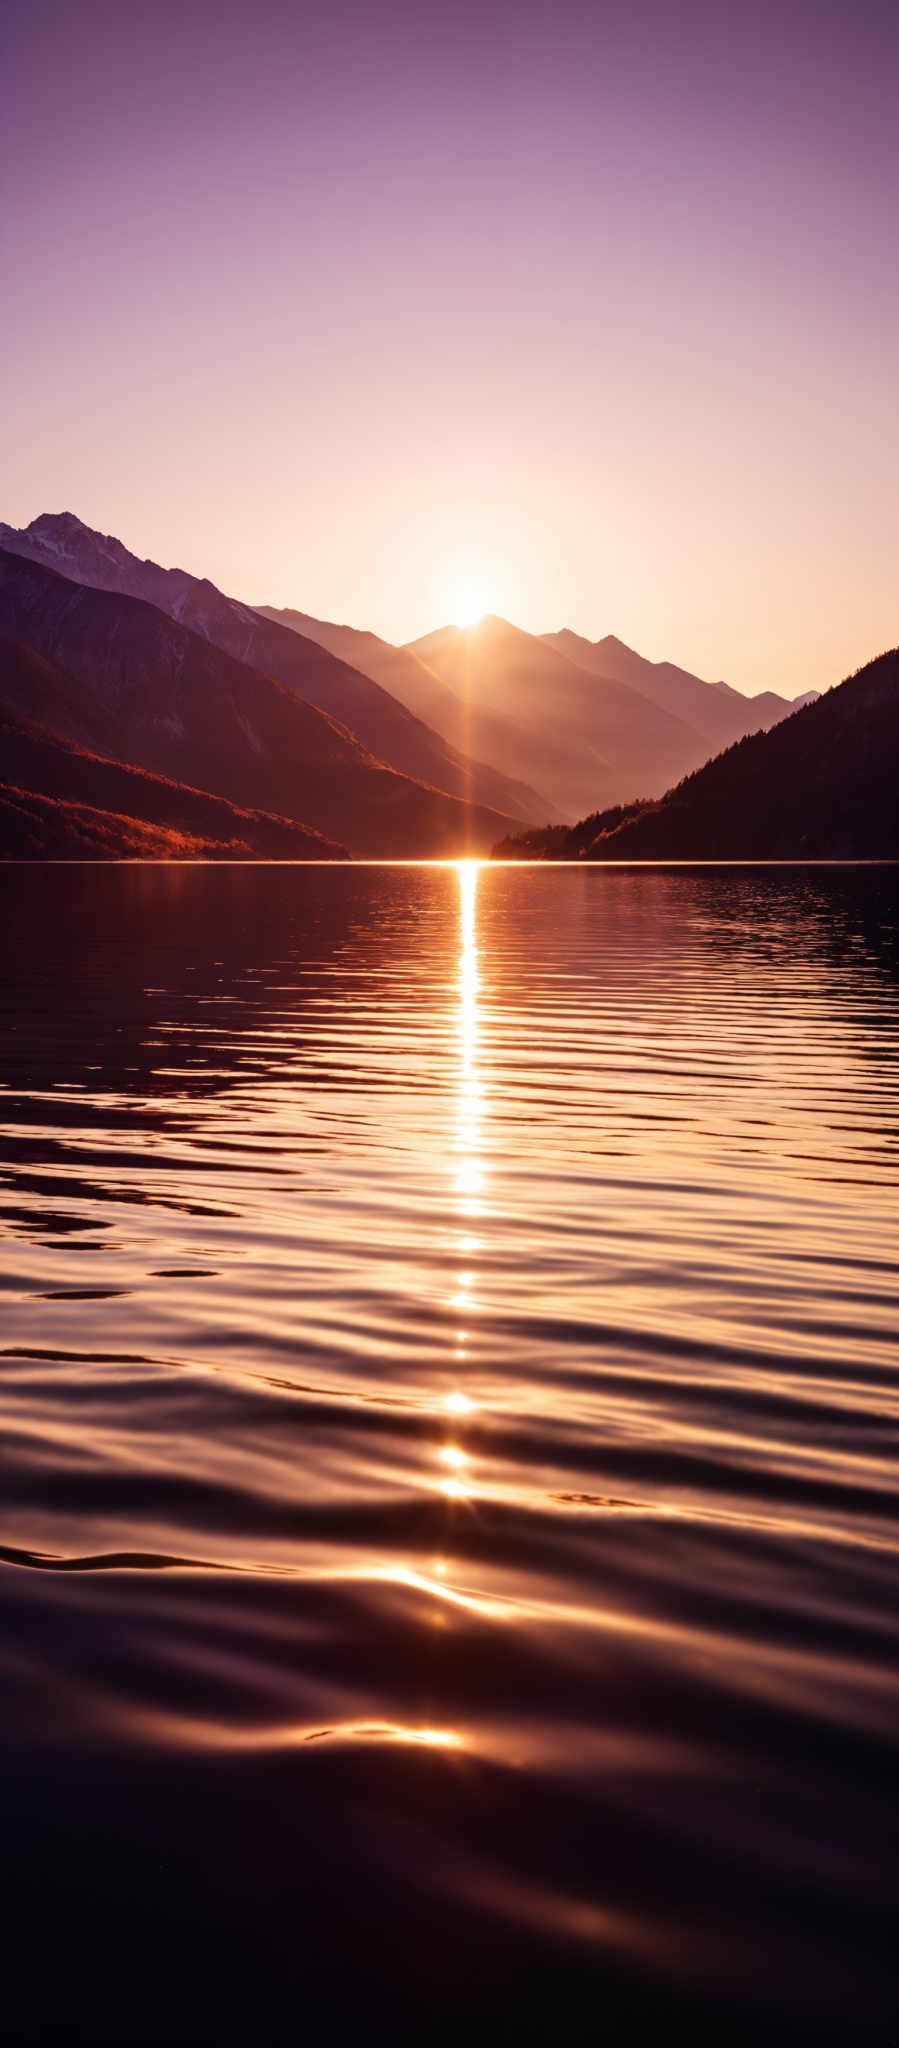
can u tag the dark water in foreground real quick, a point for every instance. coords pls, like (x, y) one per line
(449, 1580)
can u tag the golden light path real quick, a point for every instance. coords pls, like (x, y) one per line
(469, 1177)
(467, 1170)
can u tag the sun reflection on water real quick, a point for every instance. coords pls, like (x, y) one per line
(469, 1175)
(467, 1170)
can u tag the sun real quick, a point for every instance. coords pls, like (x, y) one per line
(470, 602)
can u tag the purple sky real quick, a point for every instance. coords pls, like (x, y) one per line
(591, 313)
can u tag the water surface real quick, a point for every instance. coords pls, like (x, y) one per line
(448, 1554)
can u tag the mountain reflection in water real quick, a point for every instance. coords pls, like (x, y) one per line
(449, 1532)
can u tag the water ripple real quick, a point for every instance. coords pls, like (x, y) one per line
(451, 1449)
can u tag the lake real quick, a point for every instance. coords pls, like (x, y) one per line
(449, 1554)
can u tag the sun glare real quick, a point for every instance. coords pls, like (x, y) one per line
(470, 602)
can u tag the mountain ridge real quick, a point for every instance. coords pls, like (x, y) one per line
(530, 704)
(716, 711)
(166, 699)
(574, 722)
(409, 680)
(391, 732)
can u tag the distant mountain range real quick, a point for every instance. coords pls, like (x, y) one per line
(501, 694)
(819, 786)
(300, 730)
(597, 733)
(718, 714)
(521, 701)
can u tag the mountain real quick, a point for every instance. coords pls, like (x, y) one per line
(44, 828)
(35, 689)
(57, 795)
(35, 827)
(140, 688)
(397, 668)
(406, 678)
(820, 786)
(386, 727)
(519, 700)
(716, 712)
(573, 722)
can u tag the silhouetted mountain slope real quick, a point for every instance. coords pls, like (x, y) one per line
(716, 712)
(36, 827)
(161, 697)
(821, 785)
(415, 684)
(44, 765)
(397, 668)
(553, 722)
(409, 681)
(386, 727)
(45, 828)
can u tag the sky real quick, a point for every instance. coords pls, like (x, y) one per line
(583, 314)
